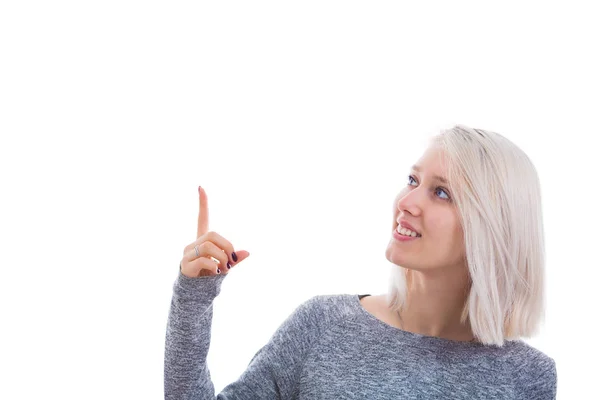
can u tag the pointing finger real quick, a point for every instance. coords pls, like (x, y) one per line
(202, 213)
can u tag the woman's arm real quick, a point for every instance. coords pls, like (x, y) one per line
(273, 371)
(188, 337)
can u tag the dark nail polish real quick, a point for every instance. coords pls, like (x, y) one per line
(218, 271)
(234, 256)
(228, 265)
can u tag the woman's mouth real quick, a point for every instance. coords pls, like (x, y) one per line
(407, 232)
(403, 234)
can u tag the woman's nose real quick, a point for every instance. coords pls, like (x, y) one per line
(410, 202)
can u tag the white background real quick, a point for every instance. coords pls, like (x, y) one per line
(301, 120)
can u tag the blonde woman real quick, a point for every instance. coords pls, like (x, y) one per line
(467, 284)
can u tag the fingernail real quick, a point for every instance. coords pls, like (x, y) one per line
(234, 256)
(199, 189)
(228, 265)
(218, 270)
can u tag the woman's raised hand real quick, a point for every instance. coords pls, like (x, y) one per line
(210, 254)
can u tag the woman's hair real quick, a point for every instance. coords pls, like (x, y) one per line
(497, 194)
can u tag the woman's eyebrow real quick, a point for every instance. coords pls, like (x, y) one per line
(437, 177)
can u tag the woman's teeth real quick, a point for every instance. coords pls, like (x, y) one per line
(406, 232)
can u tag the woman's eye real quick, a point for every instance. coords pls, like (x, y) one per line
(439, 189)
(443, 191)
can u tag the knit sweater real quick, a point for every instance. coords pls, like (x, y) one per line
(330, 347)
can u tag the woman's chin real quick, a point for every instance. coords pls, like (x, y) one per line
(396, 256)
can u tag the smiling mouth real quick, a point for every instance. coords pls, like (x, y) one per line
(407, 232)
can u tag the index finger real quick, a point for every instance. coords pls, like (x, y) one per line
(202, 213)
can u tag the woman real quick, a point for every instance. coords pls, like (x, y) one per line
(467, 284)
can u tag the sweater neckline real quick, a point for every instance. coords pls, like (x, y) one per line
(407, 336)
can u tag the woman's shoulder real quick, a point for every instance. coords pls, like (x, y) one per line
(524, 353)
(529, 357)
(327, 309)
(331, 303)
(532, 368)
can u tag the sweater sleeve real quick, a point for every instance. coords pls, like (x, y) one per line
(540, 380)
(271, 374)
(186, 375)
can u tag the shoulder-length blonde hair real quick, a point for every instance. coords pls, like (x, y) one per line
(497, 194)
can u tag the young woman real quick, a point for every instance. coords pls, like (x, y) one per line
(467, 285)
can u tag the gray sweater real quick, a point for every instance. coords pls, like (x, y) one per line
(330, 347)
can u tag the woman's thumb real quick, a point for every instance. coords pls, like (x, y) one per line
(241, 256)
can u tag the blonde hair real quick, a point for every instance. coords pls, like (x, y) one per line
(496, 190)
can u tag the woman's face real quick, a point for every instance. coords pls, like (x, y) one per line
(426, 204)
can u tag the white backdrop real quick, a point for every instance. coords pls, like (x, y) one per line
(301, 121)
